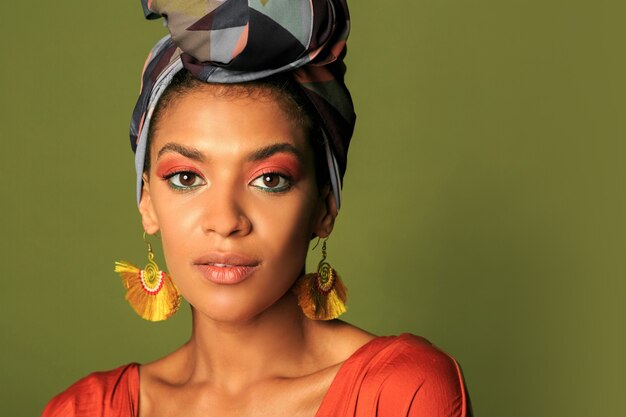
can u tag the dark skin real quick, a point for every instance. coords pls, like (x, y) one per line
(252, 351)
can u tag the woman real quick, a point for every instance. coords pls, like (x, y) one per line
(241, 132)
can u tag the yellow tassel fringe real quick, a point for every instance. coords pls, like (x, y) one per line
(150, 292)
(321, 300)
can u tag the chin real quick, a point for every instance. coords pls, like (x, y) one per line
(230, 310)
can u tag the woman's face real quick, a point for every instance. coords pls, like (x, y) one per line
(232, 191)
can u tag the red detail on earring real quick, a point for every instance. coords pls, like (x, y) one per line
(321, 287)
(147, 289)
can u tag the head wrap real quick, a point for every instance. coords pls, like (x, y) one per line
(234, 41)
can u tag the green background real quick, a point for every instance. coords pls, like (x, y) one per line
(484, 203)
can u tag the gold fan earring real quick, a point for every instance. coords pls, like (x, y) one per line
(150, 291)
(322, 295)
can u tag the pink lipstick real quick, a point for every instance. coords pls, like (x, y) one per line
(225, 268)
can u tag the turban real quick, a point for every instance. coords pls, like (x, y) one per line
(234, 41)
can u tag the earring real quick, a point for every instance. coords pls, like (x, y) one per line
(322, 295)
(149, 291)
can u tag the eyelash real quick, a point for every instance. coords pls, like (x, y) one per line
(277, 189)
(178, 188)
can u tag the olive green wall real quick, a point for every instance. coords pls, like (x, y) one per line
(484, 202)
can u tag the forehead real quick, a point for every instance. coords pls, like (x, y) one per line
(227, 120)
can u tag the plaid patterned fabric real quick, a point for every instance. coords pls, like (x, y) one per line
(229, 41)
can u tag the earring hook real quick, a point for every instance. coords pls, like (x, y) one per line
(150, 253)
(323, 245)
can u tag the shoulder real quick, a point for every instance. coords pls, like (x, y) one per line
(408, 376)
(98, 394)
(412, 357)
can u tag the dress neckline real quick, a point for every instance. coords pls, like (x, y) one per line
(344, 368)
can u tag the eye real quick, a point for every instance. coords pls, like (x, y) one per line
(272, 182)
(184, 180)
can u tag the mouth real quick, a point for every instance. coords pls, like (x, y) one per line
(226, 268)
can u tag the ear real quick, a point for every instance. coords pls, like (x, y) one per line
(326, 214)
(148, 215)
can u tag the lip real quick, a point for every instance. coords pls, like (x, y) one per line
(226, 268)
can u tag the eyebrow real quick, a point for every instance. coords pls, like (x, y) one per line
(267, 151)
(189, 152)
(258, 155)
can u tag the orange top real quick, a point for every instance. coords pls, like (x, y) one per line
(389, 376)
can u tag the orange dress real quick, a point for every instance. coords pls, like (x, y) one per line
(390, 376)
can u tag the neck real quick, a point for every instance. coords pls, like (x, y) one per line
(235, 355)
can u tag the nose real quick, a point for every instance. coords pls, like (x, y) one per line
(224, 212)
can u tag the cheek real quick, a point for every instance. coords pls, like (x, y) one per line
(285, 230)
(177, 221)
(295, 208)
